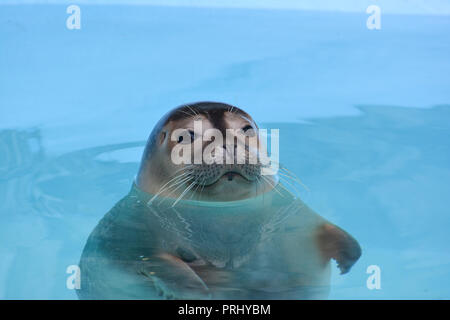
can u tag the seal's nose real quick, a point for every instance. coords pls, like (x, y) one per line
(228, 154)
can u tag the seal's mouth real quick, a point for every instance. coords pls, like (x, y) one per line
(232, 174)
(229, 175)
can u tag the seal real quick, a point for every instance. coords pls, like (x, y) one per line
(212, 225)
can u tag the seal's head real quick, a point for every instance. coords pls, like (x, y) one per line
(205, 151)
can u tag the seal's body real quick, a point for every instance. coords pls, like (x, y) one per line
(237, 235)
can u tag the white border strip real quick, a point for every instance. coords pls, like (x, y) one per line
(422, 7)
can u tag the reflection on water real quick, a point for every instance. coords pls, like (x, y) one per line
(383, 176)
(48, 207)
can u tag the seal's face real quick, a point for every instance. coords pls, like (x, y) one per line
(204, 151)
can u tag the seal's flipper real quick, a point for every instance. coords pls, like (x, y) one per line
(337, 244)
(173, 278)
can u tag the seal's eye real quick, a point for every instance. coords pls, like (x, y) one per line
(185, 137)
(248, 130)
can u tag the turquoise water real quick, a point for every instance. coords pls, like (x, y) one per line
(364, 119)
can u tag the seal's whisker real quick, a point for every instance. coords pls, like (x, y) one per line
(183, 193)
(187, 113)
(287, 171)
(267, 181)
(182, 183)
(289, 183)
(187, 170)
(272, 184)
(175, 184)
(183, 177)
(290, 176)
(194, 189)
(198, 185)
(178, 182)
(203, 185)
(190, 108)
(176, 177)
(165, 187)
(258, 183)
(297, 180)
(281, 186)
(184, 168)
(293, 179)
